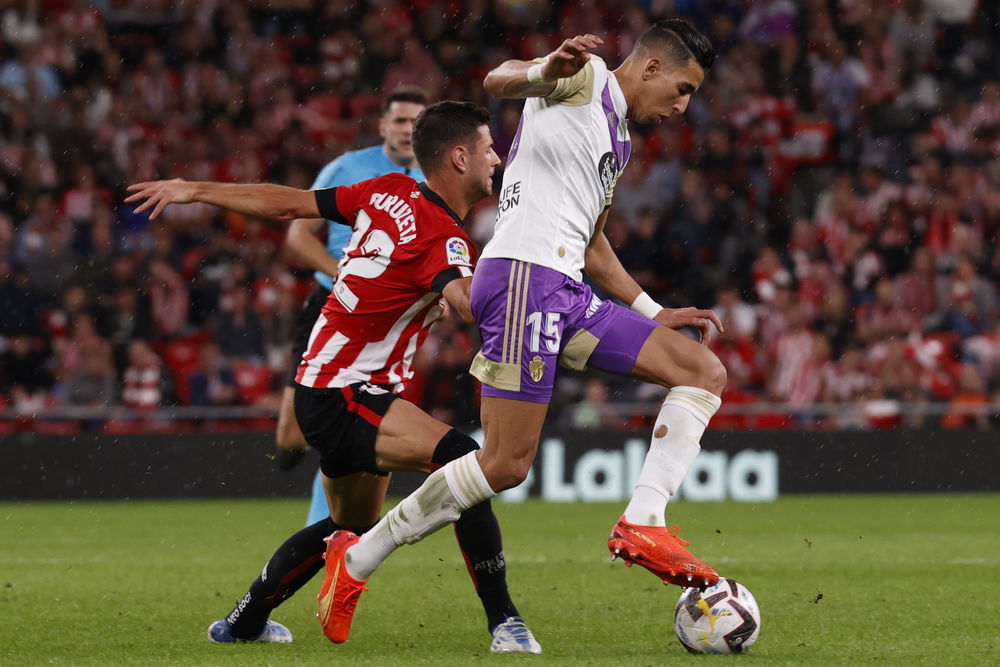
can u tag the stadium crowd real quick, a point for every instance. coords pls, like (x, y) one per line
(833, 191)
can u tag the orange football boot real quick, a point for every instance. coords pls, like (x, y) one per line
(340, 591)
(660, 551)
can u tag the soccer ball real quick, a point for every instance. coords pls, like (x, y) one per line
(722, 619)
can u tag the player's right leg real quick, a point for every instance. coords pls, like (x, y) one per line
(409, 439)
(291, 567)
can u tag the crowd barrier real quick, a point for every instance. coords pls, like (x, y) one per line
(589, 466)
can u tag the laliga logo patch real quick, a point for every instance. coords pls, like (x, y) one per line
(458, 251)
(607, 169)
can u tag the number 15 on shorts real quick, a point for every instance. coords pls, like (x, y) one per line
(551, 333)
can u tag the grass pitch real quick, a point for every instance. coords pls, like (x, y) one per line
(876, 580)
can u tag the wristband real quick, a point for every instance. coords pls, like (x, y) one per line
(644, 305)
(535, 73)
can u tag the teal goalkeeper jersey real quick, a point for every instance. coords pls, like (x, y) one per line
(348, 169)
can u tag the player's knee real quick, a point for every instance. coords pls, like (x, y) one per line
(289, 438)
(454, 445)
(715, 375)
(511, 474)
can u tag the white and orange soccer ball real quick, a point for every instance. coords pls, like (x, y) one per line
(721, 619)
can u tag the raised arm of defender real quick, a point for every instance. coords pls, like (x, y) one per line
(259, 200)
(516, 79)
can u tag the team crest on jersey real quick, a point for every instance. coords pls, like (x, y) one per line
(458, 251)
(607, 169)
(537, 369)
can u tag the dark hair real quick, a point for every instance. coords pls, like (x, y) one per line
(679, 41)
(442, 126)
(413, 94)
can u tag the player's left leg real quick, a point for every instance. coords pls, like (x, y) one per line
(630, 344)
(696, 379)
(358, 501)
(291, 442)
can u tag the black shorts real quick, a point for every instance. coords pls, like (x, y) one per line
(342, 424)
(308, 315)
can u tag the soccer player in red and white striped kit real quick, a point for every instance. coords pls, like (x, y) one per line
(408, 250)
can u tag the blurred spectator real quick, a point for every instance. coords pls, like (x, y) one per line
(835, 320)
(796, 378)
(838, 169)
(23, 366)
(917, 286)
(589, 413)
(735, 313)
(143, 381)
(239, 332)
(768, 21)
(213, 382)
(18, 303)
(168, 298)
(28, 77)
(883, 317)
(969, 299)
(971, 399)
(93, 385)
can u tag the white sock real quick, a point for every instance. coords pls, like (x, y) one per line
(440, 500)
(677, 433)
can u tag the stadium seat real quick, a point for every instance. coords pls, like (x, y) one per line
(182, 357)
(328, 106)
(252, 382)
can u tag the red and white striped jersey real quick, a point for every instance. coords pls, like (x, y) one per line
(407, 245)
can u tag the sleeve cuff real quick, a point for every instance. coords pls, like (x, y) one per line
(326, 204)
(449, 274)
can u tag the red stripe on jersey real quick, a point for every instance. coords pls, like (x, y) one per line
(360, 410)
(382, 302)
(343, 359)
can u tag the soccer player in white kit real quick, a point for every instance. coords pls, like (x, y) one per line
(533, 311)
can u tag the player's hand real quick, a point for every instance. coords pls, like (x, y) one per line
(675, 318)
(160, 193)
(570, 57)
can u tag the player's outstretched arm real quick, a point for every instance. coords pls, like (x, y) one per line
(262, 200)
(457, 294)
(517, 79)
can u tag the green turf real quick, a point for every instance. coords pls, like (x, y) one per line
(905, 580)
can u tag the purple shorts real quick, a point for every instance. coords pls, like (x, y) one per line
(531, 317)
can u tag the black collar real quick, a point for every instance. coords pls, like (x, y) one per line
(435, 198)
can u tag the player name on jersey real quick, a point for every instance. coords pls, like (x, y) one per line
(406, 246)
(400, 211)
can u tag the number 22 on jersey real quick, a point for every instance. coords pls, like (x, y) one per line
(373, 260)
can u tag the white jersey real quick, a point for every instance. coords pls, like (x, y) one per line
(569, 150)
